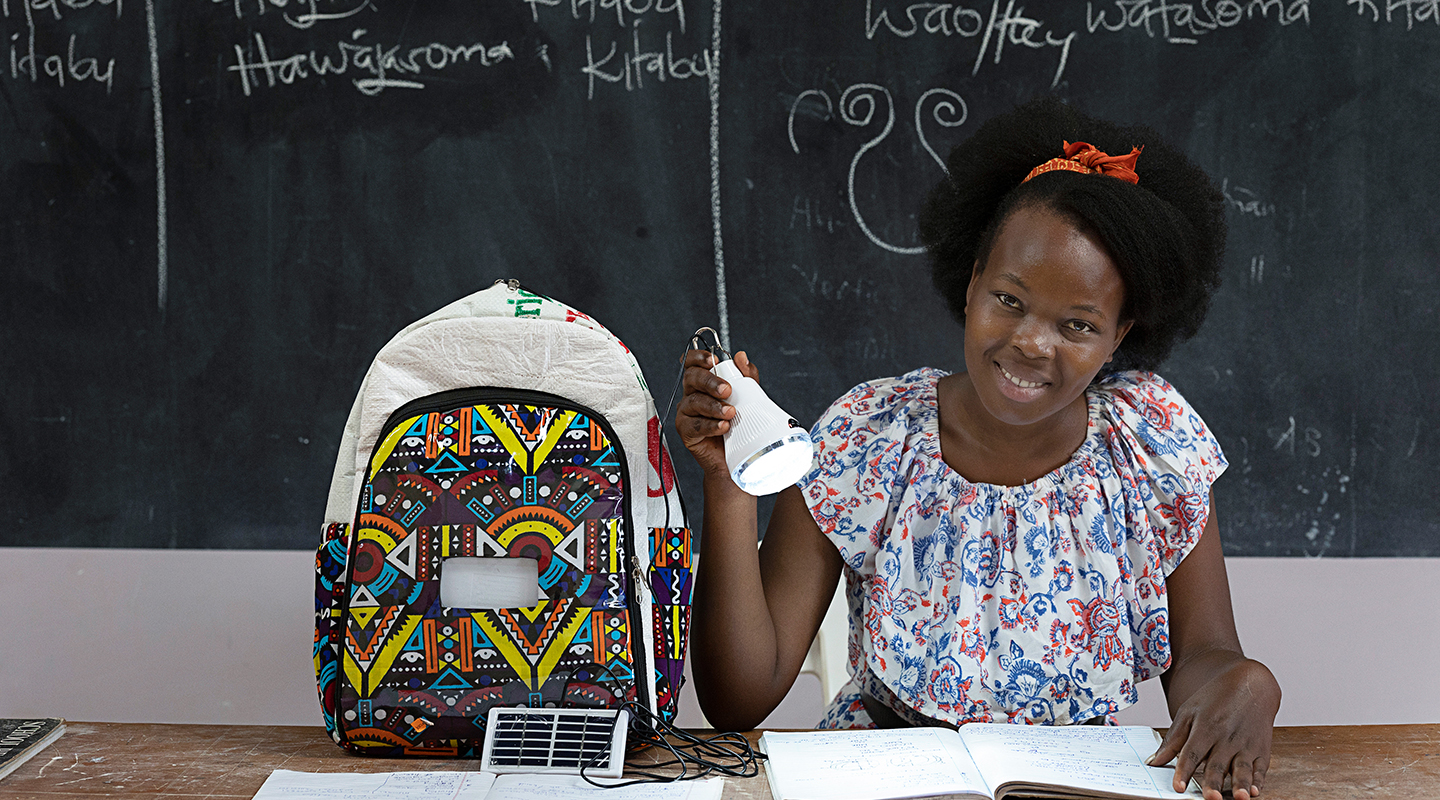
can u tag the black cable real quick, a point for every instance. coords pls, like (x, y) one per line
(728, 754)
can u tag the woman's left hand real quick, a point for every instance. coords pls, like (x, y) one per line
(1221, 733)
(1222, 704)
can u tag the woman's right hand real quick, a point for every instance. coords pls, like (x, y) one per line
(754, 614)
(703, 416)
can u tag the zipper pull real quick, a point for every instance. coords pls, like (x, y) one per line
(638, 577)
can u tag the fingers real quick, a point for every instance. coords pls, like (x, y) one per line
(749, 370)
(1212, 777)
(1241, 783)
(1257, 778)
(1181, 744)
(1170, 746)
(699, 378)
(1215, 765)
(702, 411)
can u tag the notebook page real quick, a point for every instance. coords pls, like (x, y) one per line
(1092, 757)
(869, 764)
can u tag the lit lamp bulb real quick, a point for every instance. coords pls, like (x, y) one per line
(765, 449)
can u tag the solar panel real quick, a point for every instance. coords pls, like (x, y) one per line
(555, 740)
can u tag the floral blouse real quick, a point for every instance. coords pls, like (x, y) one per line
(1041, 603)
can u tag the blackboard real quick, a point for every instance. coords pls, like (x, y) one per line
(216, 212)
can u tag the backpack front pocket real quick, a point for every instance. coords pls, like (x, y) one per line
(486, 474)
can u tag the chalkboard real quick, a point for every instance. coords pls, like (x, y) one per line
(216, 212)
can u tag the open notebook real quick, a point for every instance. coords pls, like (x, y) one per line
(984, 760)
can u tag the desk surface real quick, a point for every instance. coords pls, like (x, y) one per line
(133, 761)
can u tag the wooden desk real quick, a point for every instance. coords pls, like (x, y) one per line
(131, 761)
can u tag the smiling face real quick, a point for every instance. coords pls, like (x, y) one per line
(1041, 318)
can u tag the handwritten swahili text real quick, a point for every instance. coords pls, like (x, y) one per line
(76, 65)
(995, 28)
(1184, 23)
(56, 9)
(1413, 10)
(622, 41)
(635, 62)
(378, 67)
(310, 10)
(626, 13)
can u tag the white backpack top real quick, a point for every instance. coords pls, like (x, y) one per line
(507, 337)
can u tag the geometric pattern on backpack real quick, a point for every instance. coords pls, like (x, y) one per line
(489, 480)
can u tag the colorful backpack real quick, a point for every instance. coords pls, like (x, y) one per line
(505, 425)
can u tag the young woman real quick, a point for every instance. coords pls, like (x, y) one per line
(1029, 539)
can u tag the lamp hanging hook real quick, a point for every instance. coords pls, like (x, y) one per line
(697, 342)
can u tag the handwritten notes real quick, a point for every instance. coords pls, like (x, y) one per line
(985, 760)
(902, 763)
(1083, 757)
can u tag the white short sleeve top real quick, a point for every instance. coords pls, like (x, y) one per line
(1041, 603)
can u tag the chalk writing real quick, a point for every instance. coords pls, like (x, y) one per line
(859, 289)
(336, 10)
(1183, 23)
(25, 62)
(587, 10)
(1246, 201)
(635, 62)
(1285, 439)
(808, 214)
(1257, 269)
(858, 104)
(638, 59)
(1413, 10)
(384, 67)
(75, 66)
(55, 6)
(994, 30)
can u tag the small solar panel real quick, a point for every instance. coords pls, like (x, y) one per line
(556, 740)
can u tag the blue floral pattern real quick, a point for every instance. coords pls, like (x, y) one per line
(1042, 603)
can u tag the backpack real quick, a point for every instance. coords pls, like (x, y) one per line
(504, 425)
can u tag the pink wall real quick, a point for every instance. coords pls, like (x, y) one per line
(223, 636)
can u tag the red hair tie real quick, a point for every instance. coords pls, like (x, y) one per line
(1083, 157)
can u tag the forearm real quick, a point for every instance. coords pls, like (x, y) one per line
(737, 676)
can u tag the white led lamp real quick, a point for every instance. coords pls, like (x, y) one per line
(766, 450)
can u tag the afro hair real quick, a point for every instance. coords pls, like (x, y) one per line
(1165, 234)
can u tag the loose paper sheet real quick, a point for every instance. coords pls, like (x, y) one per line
(911, 762)
(284, 784)
(542, 787)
